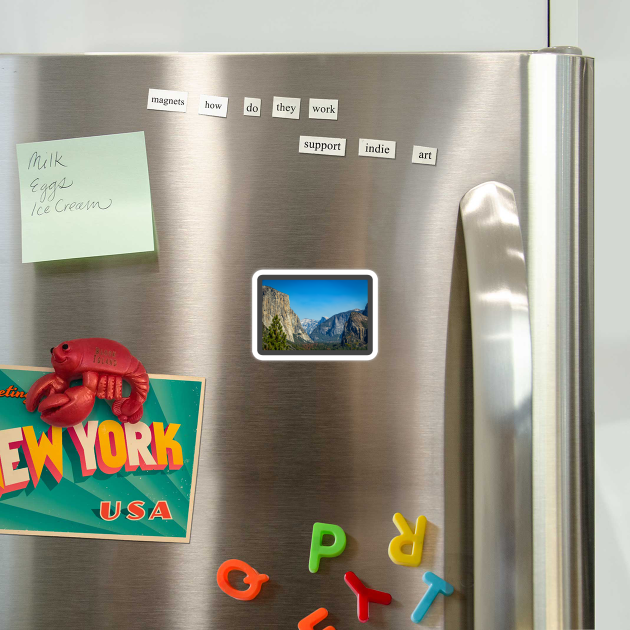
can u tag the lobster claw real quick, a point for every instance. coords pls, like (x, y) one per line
(68, 408)
(43, 386)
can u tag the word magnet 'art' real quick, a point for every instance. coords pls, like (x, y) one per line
(365, 596)
(98, 448)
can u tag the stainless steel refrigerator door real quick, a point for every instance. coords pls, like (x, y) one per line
(284, 444)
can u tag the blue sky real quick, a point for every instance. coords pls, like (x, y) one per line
(314, 299)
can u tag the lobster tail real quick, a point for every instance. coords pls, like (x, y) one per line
(139, 381)
(130, 409)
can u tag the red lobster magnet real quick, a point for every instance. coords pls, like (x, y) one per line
(103, 364)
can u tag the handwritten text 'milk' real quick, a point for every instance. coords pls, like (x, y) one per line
(46, 190)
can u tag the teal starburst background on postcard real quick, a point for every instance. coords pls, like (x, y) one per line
(72, 505)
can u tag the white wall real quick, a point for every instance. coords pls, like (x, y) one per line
(270, 25)
(604, 29)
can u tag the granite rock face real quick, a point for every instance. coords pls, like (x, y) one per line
(309, 324)
(355, 331)
(330, 330)
(276, 303)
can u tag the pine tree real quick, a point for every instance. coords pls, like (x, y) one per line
(275, 338)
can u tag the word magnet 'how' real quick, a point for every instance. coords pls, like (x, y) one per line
(436, 586)
(365, 595)
(252, 577)
(319, 550)
(309, 623)
(407, 537)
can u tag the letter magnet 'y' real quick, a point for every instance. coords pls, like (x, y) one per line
(407, 537)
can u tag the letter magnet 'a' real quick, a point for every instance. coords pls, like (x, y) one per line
(407, 537)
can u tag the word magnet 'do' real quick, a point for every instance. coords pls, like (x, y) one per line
(252, 577)
(319, 550)
(407, 537)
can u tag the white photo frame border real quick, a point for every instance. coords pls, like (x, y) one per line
(316, 272)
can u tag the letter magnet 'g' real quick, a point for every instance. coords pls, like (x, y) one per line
(407, 537)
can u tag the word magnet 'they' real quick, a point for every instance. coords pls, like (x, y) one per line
(319, 550)
(407, 537)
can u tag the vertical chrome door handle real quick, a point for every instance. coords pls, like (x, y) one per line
(502, 373)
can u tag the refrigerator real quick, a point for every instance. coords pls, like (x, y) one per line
(472, 407)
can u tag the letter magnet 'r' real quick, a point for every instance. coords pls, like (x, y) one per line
(407, 537)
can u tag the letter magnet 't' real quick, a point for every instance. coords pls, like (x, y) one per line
(436, 586)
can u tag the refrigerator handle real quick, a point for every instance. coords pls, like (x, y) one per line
(502, 374)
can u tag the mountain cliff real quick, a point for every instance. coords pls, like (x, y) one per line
(330, 330)
(276, 303)
(355, 331)
(309, 324)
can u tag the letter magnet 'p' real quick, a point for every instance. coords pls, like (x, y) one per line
(319, 550)
(407, 537)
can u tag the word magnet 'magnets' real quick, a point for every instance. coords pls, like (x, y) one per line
(407, 537)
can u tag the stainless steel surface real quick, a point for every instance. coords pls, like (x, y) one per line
(559, 256)
(502, 368)
(284, 444)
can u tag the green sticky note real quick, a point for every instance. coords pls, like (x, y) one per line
(85, 197)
